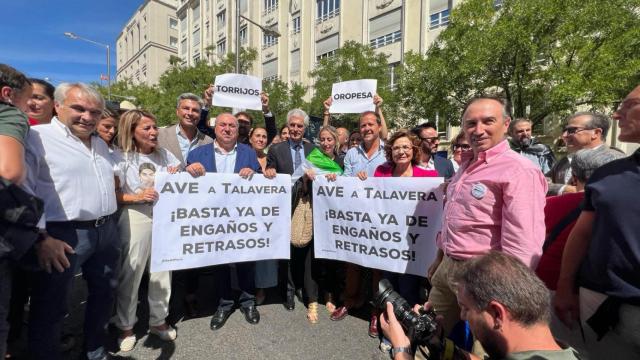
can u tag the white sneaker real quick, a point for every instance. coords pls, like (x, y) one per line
(127, 344)
(169, 334)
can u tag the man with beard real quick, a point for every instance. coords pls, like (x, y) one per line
(523, 143)
(495, 201)
(508, 310)
(429, 141)
(245, 120)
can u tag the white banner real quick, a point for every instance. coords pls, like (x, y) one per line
(219, 219)
(237, 91)
(353, 96)
(383, 223)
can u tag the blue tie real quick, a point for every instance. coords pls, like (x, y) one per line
(298, 159)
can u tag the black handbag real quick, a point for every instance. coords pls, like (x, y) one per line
(19, 216)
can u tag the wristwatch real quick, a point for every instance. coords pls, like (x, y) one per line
(400, 349)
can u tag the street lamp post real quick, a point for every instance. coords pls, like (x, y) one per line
(73, 36)
(266, 30)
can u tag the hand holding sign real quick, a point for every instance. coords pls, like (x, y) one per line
(237, 91)
(353, 96)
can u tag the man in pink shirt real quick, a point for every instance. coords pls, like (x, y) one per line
(494, 202)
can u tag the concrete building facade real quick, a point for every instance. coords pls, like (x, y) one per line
(147, 41)
(310, 30)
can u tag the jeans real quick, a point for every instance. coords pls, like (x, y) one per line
(97, 254)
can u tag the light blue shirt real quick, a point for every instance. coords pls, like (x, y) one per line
(293, 153)
(225, 161)
(357, 160)
(185, 145)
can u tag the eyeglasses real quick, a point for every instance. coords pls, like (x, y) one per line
(403, 148)
(430, 139)
(571, 130)
(463, 147)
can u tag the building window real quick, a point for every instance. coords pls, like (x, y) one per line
(268, 40)
(295, 23)
(221, 18)
(439, 19)
(386, 39)
(385, 29)
(243, 35)
(196, 58)
(196, 37)
(183, 25)
(270, 70)
(183, 47)
(497, 4)
(173, 42)
(173, 23)
(270, 5)
(221, 47)
(326, 55)
(327, 9)
(294, 68)
(196, 14)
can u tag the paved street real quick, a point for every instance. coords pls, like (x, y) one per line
(279, 335)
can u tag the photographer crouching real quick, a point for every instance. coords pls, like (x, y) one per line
(506, 305)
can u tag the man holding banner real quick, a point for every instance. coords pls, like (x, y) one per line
(494, 202)
(226, 155)
(285, 158)
(362, 161)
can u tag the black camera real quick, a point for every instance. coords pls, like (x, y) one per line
(420, 327)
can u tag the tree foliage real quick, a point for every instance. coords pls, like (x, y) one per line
(160, 99)
(352, 61)
(547, 57)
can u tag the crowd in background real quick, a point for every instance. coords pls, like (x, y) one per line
(85, 170)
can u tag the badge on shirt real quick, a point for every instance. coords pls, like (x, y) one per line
(478, 190)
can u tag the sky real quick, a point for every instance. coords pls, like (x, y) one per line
(33, 38)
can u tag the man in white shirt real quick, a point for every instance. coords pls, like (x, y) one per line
(76, 182)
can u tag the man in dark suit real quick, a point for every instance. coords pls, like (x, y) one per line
(285, 158)
(430, 140)
(184, 136)
(226, 155)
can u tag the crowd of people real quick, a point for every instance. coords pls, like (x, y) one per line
(530, 248)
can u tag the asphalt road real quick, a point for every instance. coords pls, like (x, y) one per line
(279, 335)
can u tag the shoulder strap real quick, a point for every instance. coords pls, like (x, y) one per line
(561, 225)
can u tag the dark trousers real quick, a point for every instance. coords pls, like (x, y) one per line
(246, 281)
(302, 269)
(97, 253)
(5, 298)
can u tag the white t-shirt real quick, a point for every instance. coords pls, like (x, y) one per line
(137, 171)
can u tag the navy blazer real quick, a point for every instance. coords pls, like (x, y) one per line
(245, 158)
(443, 166)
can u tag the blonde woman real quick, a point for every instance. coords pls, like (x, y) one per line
(141, 158)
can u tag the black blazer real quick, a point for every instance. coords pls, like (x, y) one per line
(279, 157)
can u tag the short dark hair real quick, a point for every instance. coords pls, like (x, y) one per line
(48, 88)
(503, 278)
(246, 114)
(12, 78)
(415, 142)
(506, 113)
(596, 121)
(282, 129)
(514, 122)
(369, 113)
(426, 125)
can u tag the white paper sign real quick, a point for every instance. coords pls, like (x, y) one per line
(353, 96)
(237, 91)
(219, 219)
(383, 223)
